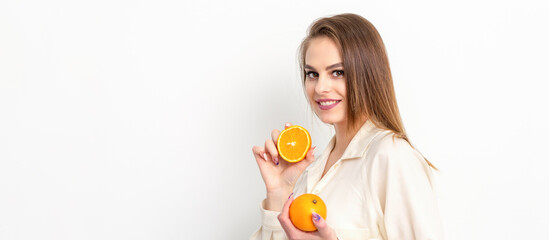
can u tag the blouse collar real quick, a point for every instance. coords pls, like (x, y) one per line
(359, 143)
(355, 150)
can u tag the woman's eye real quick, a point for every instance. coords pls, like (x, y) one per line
(337, 73)
(312, 74)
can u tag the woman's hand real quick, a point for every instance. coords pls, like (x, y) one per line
(279, 176)
(324, 231)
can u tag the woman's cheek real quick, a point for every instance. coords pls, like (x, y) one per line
(310, 93)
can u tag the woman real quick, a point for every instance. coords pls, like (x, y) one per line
(374, 183)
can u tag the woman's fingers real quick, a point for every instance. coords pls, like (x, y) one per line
(274, 136)
(323, 229)
(271, 149)
(310, 157)
(259, 153)
(287, 125)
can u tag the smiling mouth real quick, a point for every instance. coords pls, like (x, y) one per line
(327, 105)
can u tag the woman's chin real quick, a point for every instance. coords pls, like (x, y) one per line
(329, 120)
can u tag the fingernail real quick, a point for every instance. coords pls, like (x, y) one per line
(290, 195)
(314, 148)
(265, 156)
(276, 160)
(316, 217)
(287, 124)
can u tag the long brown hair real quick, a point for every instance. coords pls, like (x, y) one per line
(370, 91)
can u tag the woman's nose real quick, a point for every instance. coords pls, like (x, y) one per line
(323, 84)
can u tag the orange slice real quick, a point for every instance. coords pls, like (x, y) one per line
(293, 143)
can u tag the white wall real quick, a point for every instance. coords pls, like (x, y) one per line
(135, 119)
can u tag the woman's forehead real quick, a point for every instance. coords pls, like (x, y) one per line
(322, 51)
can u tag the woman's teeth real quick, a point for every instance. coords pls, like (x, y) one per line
(327, 103)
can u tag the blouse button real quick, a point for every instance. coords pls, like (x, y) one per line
(316, 191)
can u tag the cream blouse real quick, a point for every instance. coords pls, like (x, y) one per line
(380, 189)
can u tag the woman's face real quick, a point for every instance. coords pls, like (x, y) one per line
(325, 81)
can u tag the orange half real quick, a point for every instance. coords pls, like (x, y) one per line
(293, 143)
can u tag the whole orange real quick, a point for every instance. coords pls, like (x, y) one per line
(302, 208)
(293, 143)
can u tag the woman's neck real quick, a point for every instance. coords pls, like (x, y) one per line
(344, 136)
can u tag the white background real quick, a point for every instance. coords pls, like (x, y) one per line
(135, 119)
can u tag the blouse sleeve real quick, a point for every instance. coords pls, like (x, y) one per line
(403, 183)
(270, 226)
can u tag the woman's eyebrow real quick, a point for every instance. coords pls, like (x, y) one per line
(334, 66)
(307, 66)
